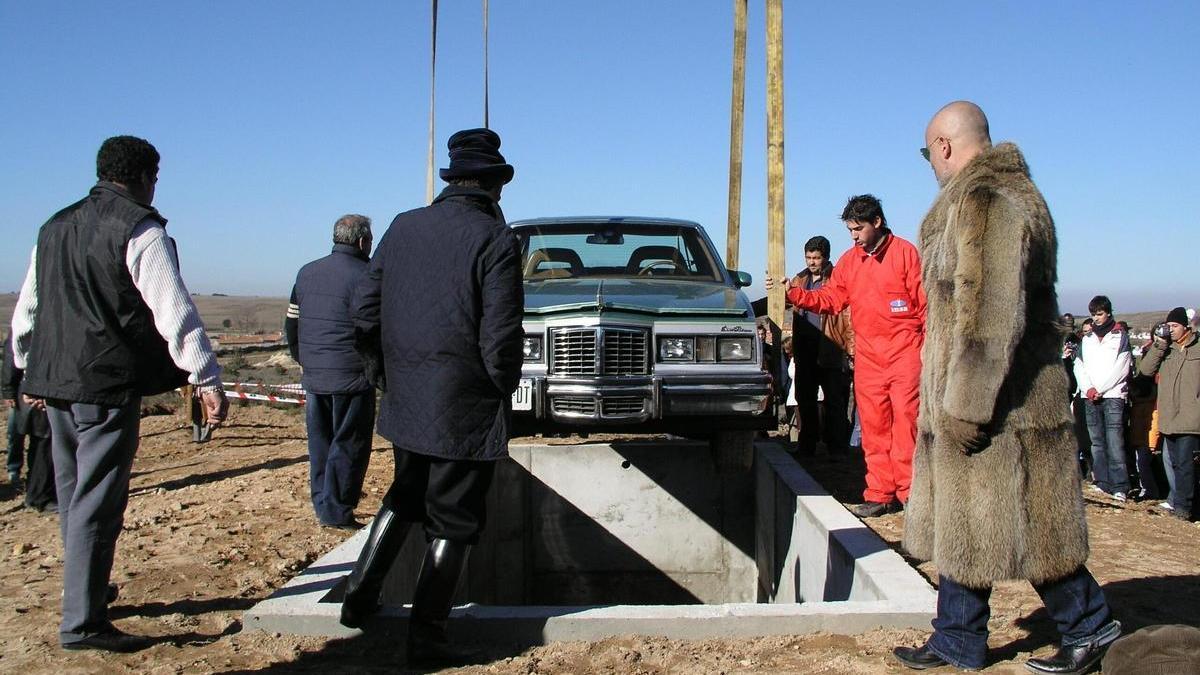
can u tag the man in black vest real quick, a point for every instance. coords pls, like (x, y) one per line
(340, 402)
(443, 291)
(104, 319)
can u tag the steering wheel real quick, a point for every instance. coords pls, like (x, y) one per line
(645, 271)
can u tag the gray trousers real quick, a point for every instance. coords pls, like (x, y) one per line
(93, 449)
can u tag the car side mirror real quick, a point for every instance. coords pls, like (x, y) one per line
(742, 279)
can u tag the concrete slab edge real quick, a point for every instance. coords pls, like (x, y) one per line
(892, 576)
(536, 625)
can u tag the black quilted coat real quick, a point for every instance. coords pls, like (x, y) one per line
(444, 290)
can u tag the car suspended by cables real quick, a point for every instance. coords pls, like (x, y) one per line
(634, 324)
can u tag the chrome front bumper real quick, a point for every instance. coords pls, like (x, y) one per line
(625, 400)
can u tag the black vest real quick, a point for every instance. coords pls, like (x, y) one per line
(94, 339)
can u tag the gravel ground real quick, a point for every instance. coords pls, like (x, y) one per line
(211, 529)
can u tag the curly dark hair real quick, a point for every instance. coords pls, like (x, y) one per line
(819, 244)
(864, 209)
(124, 159)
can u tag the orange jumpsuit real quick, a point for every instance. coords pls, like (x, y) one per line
(887, 305)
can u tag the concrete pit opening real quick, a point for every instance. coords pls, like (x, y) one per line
(591, 540)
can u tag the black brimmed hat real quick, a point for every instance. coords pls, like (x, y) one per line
(475, 153)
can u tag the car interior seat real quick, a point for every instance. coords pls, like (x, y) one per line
(547, 263)
(656, 254)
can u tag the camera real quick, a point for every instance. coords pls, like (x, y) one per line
(1162, 331)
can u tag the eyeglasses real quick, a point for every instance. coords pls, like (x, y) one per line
(925, 151)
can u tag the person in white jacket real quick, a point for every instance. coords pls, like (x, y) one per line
(1102, 368)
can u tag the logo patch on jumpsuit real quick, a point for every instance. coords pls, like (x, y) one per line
(899, 306)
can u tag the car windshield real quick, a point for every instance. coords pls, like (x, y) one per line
(615, 250)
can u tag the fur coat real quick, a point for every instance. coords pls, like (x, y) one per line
(992, 356)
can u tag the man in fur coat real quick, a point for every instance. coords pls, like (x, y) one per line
(995, 492)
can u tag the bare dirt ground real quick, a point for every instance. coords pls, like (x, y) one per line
(211, 529)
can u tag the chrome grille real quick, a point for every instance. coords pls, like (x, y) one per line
(622, 405)
(623, 351)
(575, 351)
(581, 405)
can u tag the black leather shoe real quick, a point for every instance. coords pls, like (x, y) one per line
(1070, 660)
(873, 509)
(111, 639)
(918, 658)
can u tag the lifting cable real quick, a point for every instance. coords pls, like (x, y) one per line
(485, 64)
(432, 82)
(433, 89)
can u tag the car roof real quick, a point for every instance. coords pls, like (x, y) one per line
(601, 220)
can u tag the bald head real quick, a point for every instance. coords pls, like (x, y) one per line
(955, 136)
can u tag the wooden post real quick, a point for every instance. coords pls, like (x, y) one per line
(776, 262)
(736, 131)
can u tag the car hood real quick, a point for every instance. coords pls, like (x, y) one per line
(645, 296)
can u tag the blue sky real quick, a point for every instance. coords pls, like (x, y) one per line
(274, 118)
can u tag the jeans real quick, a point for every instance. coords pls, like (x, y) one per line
(1075, 602)
(1106, 426)
(1178, 452)
(339, 449)
(856, 431)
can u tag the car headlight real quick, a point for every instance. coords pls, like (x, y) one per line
(735, 349)
(677, 348)
(531, 347)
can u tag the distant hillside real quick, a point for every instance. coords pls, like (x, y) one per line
(244, 313)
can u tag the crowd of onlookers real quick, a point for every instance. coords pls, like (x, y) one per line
(1134, 398)
(1136, 407)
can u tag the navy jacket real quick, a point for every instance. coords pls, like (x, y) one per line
(321, 338)
(444, 291)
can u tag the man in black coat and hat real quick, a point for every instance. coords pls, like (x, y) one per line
(442, 297)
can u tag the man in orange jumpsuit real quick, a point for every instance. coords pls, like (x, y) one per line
(880, 279)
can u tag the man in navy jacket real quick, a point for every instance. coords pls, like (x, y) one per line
(443, 295)
(340, 404)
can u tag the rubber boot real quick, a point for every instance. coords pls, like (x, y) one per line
(365, 581)
(428, 644)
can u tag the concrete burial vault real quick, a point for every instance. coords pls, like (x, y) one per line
(592, 540)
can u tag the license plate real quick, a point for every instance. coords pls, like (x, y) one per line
(522, 398)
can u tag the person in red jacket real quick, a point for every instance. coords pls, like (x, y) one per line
(880, 280)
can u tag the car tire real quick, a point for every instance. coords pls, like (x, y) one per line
(732, 451)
